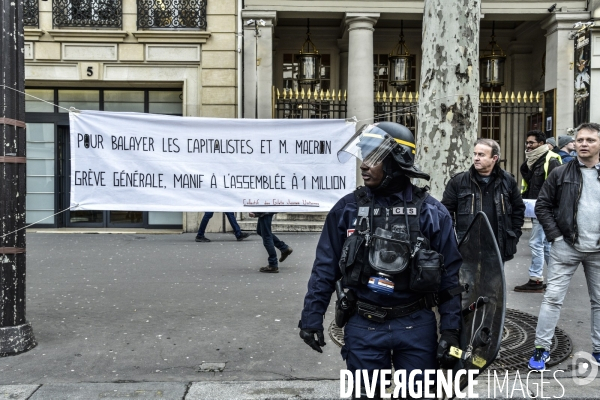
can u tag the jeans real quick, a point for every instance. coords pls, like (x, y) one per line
(407, 343)
(564, 260)
(208, 215)
(270, 241)
(540, 250)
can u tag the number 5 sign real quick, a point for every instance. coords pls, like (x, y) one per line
(89, 71)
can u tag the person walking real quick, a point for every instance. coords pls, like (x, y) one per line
(538, 164)
(569, 211)
(232, 221)
(270, 241)
(487, 187)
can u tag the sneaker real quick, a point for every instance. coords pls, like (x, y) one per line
(596, 357)
(539, 359)
(242, 236)
(269, 269)
(202, 239)
(285, 253)
(532, 286)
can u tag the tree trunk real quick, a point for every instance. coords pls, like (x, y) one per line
(449, 94)
(16, 335)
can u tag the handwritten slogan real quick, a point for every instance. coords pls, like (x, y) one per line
(147, 162)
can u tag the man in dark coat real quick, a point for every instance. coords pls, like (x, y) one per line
(486, 187)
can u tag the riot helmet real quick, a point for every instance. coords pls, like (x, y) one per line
(372, 143)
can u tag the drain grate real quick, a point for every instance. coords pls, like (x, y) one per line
(517, 342)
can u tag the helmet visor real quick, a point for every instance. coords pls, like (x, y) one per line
(370, 145)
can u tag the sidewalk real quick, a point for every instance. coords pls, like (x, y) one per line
(161, 316)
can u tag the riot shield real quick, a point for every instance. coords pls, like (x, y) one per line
(484, 301)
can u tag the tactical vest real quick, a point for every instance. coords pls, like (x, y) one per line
(401, 219)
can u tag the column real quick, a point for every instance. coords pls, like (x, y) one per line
(521, 80)
(360, 65)
(594, 9)
(258, 62)
(343, 81)
(559, 65)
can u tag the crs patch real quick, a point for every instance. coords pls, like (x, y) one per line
(400, 211)
(349, 232)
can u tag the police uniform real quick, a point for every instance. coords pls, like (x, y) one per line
(408, 339)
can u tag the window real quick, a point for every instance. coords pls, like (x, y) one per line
(31, 13)
(40, 173)
(42, 100)
(100, 13)
(124, 100)
(171, 14)
(165, 102)
(80, 99)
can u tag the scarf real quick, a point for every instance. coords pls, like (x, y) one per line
(535, 155)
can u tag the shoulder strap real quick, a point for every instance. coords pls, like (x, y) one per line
(421, 195)
(362, 196)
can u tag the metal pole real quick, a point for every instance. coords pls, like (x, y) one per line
(16, 334)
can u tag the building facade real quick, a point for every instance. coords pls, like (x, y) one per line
(355, 39)
(239, 59)
(155, 56)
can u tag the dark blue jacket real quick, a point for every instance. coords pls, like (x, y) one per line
(566, 157)
(435, 223)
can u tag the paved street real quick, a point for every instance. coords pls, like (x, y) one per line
(149, 316)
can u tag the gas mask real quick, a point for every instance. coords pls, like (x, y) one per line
(389, 255)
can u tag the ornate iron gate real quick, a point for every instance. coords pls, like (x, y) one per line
(305, 105)
(504, 117)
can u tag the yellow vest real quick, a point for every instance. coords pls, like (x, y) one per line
(549, 156)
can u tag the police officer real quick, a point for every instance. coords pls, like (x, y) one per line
(375, 241)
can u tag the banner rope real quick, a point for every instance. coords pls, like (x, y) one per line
(37, 222)
(398, 111)
(37, 98)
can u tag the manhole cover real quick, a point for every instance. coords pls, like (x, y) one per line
(517, 342)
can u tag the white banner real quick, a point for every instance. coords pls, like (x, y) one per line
(148, 162)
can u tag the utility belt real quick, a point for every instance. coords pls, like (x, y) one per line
(381, 314)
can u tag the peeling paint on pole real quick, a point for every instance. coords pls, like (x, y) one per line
(16, 334)
(449, 93)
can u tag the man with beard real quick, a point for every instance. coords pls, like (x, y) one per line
(538, 164)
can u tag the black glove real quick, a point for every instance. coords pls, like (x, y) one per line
(308, 335)
(449, 337)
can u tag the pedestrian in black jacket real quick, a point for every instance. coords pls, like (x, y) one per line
(569, 211)
(538, 164)
(488, 188)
